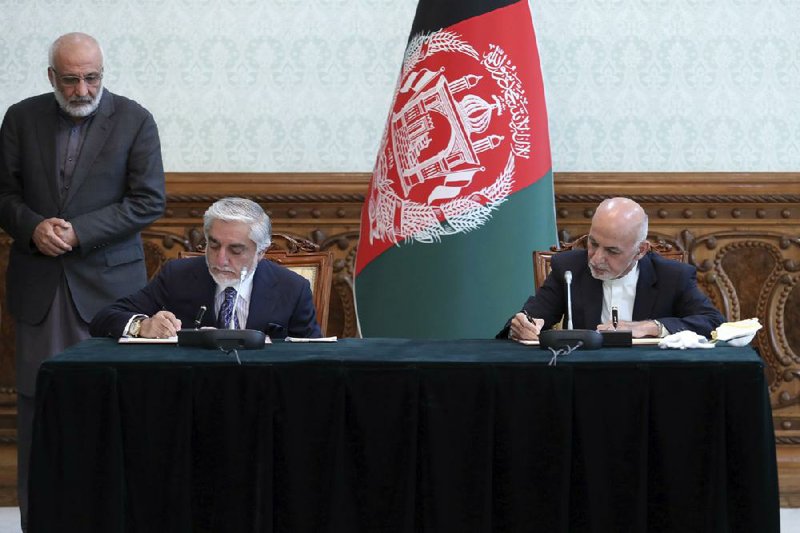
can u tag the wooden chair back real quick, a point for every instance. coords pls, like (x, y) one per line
(317, 268)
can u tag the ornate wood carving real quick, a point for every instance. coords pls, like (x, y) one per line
(740, 230)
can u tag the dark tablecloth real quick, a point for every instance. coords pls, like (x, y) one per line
(392, 435)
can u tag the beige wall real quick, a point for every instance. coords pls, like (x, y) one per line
(305, 85)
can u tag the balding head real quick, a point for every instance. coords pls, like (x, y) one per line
(75, 43)
(617, 238)
(624, 214)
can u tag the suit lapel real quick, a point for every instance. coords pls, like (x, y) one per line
(646, 291)
(46, 124)
(208, 287)
(592, 294)
(260, 304)
(95, 140)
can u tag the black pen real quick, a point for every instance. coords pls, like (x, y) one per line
(614, 317)
(529, 317)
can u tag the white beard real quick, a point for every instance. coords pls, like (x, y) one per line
(84, 107)
(236, 281)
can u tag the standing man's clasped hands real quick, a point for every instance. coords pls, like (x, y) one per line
(54, 236)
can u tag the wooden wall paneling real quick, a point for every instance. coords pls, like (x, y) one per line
(8, 391)
(741, 230)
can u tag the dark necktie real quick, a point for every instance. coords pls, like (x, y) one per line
(227, 309)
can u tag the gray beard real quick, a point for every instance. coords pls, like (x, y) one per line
(81, 109)
(235, 283)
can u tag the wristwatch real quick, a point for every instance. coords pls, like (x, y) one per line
(136, 326)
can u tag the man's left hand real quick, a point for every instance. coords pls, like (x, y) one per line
(67, 234)
(638, 329)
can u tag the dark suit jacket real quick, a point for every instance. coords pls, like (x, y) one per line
(117, 190)
(666, 291)
(280, 304)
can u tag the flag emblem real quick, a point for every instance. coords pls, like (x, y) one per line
(458, 123)
(462, 187)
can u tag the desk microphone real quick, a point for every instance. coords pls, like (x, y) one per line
(568, 279)
(228, 340)
(199, 318)
(564, 341)
(242, 275)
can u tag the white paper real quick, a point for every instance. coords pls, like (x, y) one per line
(144, 340)
(645, 341)
(318, 339)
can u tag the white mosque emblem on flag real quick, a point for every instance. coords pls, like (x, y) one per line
(437, 139)
(412, 128)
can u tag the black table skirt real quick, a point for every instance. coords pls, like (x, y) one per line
(389, 435)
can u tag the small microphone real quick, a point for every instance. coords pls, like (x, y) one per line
(564, 341)
(568, 279)
(199, 318)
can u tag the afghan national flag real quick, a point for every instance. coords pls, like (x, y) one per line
(462, 190)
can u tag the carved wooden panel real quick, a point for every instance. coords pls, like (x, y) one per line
(755, 274)
(740, 230)
(7, 367)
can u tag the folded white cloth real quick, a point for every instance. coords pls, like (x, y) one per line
(684, 339)
(737, 333)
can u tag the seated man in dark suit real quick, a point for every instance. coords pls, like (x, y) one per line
(654, 296)
(237, 287)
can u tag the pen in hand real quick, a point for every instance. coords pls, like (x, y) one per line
(614, 317)
(536, 326)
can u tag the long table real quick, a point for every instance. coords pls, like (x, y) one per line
(393, 435)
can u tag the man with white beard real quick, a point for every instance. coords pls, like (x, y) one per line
(80, 177)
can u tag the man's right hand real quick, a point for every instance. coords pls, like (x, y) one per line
(161, 325)
(523, 329)
(47, 238)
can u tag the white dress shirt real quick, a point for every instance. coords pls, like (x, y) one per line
(620, 293)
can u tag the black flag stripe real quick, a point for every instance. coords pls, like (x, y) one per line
(433, 15)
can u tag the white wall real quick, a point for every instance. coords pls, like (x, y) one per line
(305, 85)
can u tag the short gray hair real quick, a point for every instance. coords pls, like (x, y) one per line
(241, 210)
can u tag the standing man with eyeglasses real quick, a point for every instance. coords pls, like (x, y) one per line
(80, 177)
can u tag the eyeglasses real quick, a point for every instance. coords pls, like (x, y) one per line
(69, 80)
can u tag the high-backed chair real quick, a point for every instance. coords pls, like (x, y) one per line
(304, 258)
(317, 268)
(541, 258)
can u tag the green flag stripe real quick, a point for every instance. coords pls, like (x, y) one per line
(481, 277)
